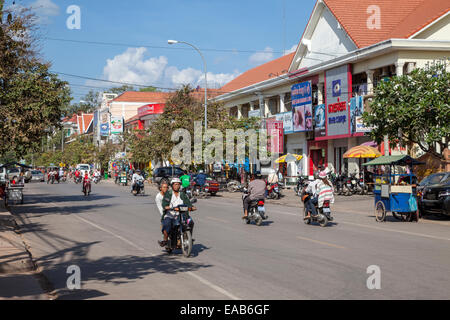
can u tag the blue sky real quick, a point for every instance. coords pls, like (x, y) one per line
(248, 25)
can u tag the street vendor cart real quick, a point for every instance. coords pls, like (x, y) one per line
(395, 192)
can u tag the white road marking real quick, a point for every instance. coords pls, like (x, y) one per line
(322, 242)
(192, 274)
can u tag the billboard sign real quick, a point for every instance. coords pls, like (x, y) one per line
(301, 94)
(254, 113)
(275, 133)
(104, 129)
(337, 109)
(155, 108)
(320, 120)
(286, 118)
(116, 125)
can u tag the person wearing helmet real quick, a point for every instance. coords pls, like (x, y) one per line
(136, 176)
(312, 189)
(172, 199)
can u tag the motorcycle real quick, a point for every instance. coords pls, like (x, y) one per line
(302, 182)
(138, 188)
(234, 186)
(76, 179)
(362, 187)
(181, 232)
(87, 187)
(273, 191)
(190, 194)
(199, 191)
(256, 210)
(96, 179)
(323, 214)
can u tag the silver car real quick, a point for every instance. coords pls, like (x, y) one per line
(37, 175)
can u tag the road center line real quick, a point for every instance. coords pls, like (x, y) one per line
(190, 273)
(321, 242)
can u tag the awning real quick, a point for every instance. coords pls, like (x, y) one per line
(362, 152)
(394, 160)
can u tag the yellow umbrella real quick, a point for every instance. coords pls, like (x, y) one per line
(289, 158)
(362, 152)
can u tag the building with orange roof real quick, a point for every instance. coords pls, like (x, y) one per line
(347, 47)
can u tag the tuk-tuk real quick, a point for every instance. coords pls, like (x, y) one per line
(395, 192)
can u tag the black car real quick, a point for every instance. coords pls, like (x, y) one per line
(436, 198)
(167, 173)
(432, 179)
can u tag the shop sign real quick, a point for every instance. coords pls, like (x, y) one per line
(301, 94)
(356, 112)
(338, 93)
(116, 125)
(286, 118)
(254, 113)
(319, 119)
(275, 133)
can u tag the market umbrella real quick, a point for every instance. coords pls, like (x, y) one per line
(362, 152)
(289, 158)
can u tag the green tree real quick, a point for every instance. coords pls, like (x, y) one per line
(148, 89)
(31, 98)
(414, 108)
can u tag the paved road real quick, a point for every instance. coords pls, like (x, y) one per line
(112, 236)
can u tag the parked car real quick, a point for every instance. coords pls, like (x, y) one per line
(37, 175)
(12, 172)
(432, 179)
(435, 199)
(167, 173)
(212, 186)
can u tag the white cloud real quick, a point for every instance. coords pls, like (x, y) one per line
(45, 8)
(292, 49)
(262, 56)
(133, 66)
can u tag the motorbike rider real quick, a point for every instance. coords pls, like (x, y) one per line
(61, 173)
(136, 177)
(86, 179)
(256, 191)
(171, 200)
(200, 179)
(185, 181)
(77, 174)
(320, 189)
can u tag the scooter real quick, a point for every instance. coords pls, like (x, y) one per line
(181, 232)
(256, 210)
(273, 191)
(302, 182)
(87, 187)
(323, 214)
(138, 188)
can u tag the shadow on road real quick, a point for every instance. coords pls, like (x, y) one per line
(37, 198)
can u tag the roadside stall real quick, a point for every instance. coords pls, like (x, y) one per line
(362, 152)
(395, 192)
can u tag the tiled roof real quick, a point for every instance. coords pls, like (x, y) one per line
(83, 122)
(137, 96)
(399, 18)
(263, 72)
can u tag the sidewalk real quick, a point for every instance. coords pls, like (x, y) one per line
(18, 279)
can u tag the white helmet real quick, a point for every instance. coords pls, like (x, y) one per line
(175, 180)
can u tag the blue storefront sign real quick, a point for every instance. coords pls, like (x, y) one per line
(104, 129)
(301, 94)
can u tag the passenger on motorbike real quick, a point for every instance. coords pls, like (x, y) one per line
(136, 177)
(172, 199)
(319, 189)
(256, 191)
(200, 179)
(185, 181)
(86, 179)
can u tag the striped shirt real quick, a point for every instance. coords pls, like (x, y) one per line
(324, 192)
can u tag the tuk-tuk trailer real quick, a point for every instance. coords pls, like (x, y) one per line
(395, 192)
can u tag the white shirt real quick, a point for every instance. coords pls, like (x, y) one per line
(272, 178)
(136, 177)
(312, 186)
(158, 200)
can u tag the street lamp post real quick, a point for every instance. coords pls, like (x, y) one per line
(206, 79)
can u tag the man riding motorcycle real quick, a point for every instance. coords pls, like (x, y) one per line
(200, 179)
(136, 177)
(86, 182)
(319, 189)
(256, 191)
(172, 199)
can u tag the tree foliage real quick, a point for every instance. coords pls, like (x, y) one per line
(182, 109)
(414, 108)
(31, 98)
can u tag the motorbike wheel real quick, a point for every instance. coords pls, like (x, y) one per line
(324, 221)
(259, 221)
(305, 213)
(186, 243)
